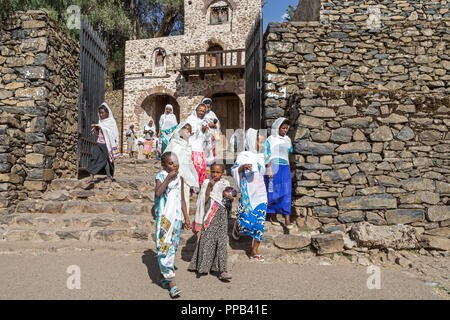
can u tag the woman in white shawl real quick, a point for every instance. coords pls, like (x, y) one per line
(107, 148)
(179, 145)
(279, 181)
(214, 126)
(149, 132)
(167, 125)
(200, 140)
(248, 173)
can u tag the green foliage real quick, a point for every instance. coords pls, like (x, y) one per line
(290, 11)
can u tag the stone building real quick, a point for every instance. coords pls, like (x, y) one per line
(208, 60)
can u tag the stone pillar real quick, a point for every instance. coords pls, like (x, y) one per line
(39, 66)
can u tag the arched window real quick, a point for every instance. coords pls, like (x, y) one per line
(160, 57)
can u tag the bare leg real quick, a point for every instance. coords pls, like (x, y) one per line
(255, 247)
(287, 219)
(91, 179)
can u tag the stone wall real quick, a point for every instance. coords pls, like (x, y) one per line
(369, 114)
(380, 157)
(409, 50)
(38, 106)
(115, 101)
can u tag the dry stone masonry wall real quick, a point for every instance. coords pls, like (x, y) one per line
(38, 106)
(370, 119)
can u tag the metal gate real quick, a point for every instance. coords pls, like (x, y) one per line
(254, 76)
(91, 91)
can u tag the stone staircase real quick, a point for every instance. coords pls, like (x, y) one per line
(115, 214)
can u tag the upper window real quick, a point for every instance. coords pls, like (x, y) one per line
(220, 14)
(160, 56)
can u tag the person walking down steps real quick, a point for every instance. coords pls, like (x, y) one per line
(211, 220)
(170, 207)
(107, 148)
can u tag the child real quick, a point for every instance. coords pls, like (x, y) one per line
(169, 207)
(211, 252)
(131, 137)
(149, 132)
(248, 173)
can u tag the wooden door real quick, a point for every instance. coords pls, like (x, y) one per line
(226, 107)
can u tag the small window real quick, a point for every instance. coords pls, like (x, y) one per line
(160, 56)
(219, 15)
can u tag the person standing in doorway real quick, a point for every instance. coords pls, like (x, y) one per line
(167, 125)
(150, 134)
(278, 179)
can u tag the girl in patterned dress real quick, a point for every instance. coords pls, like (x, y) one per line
(248, 173)
(131, 140)
(170, 207)
(211, 251)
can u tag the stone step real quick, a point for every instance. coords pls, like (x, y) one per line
(56, 222)
(83, 207)
(100, 195)
(139, 183)
(80, 234)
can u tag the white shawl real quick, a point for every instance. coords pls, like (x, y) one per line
(149, 128)
(183, 151)
(279, 146)
(170, 211)
(168, 121)
(200, 141)
(216, 194)
(111, 133)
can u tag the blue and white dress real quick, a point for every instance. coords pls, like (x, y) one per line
(251, 212)
(277, 152)
(168, 224)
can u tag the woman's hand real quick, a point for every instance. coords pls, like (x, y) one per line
(187, 223)
(95, 125)
(270, 172)
(204, 128)
(212, 125)
(245, 167)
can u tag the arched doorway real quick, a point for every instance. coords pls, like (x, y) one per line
(155, 105)
(227, 108)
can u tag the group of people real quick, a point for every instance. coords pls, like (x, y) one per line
(261, 174)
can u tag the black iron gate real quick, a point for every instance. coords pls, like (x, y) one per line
(91, 90)
(254, 76)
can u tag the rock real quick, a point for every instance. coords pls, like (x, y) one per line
(403, 216)
(309, 202)
(393, 119)
(363, 261)
(328, 243)
(343, 135)
(313, 148)
(395, 237)
(336, 175)
(310, 122)
(354, 147)
(321, 112)
(417, 184)
(348, 243)
(351, 216)
(312, 223)
(406, 134)
(357, 123)
(403, 262)
(332, 228)
(372, 202)
(56, 196)
(435, 242)
(288, 241)
(382, 133)
(438, 213)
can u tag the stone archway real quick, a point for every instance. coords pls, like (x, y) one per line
(154, 106)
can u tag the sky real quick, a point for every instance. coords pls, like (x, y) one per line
(274, 10)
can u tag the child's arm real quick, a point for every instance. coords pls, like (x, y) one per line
(187, 223)
(161, 187)
(211, 184)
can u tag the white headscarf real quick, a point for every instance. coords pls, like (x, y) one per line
(168, 121)
(151, 128)
(110, 132)
(210, 116)
(250, 156)
(279, 145)
(199, 140)
(183, 151)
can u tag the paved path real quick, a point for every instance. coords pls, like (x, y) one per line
(118, 275)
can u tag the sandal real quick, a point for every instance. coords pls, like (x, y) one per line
(175, 292)
(290, 226)
(275, 223)
(225, 276)
(235, 232)
(257, 257)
